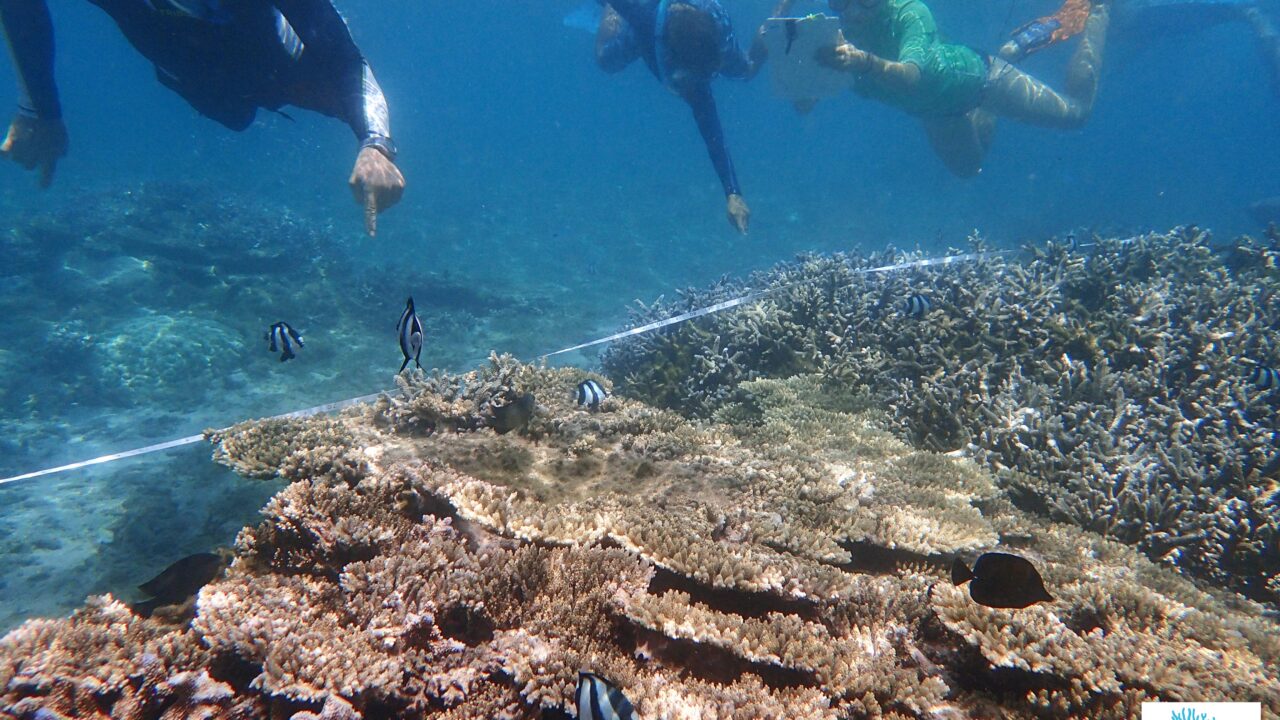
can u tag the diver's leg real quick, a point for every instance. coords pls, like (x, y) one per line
(1086, 62)
(961, 142)
(616, 45)
(1013, 93)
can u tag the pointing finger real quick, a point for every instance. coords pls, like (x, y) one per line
(370, 213)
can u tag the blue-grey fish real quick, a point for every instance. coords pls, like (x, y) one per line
(917, 305)
(599, 699)
(590, 394)
(285, 336)
(180, 581)
(1001, 580)
(410, 331)
(514, 414)
(1265, 378)
(1266, 211)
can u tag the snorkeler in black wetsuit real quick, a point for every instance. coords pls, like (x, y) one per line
(685, 43)
(227, 58)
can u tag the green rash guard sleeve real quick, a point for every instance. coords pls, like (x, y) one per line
(916, 32)
(951, 76)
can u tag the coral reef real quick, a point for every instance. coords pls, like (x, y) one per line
(1109, 389)
(786, 565)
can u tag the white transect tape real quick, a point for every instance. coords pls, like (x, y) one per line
(180, 442)
(674, 320)
(682, 317)
(751, 297)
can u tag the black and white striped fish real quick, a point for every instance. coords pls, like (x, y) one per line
(917, 305)
(410, 331)
(590, 394)
(599, 699)
(285, 336)
(1265, 378)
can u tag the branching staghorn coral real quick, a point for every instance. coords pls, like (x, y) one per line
(1109, 389)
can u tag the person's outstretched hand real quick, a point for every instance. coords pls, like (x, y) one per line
(739, 213)
(377, 184)
(844, 57)
(34, 143)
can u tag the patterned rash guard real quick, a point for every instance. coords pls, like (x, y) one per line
(227, 58)
(951, 76)
(642, 37)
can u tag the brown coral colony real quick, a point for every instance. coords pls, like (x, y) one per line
(466, 547)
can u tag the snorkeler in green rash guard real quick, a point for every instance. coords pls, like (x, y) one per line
(893, 50)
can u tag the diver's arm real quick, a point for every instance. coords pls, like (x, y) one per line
(332, 53)
(29, 31)
(916, 32)
(736, 64)
(616, 45)
(759, 52)
(36, 138)
(332, 57)
(703, 104)
(901, 76)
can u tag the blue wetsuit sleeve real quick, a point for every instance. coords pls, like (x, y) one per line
(703, 103)
(616, 50)
(735, 63)
(640, 13)
(333, 61)
(29, 31)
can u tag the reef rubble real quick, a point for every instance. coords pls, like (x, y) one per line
(788, 564)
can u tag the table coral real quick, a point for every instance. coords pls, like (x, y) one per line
(788, 565)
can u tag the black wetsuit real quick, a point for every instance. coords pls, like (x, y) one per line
(640, 38)
(226, 57)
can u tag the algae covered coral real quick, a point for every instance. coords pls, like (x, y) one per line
(787, 565)
(1109, 388)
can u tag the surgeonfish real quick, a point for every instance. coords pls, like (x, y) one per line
(1265, 378)
(179, 582)
(1266, 211)
(917, 305)
(515, 414)
(410, 330)
(599, 699)
(1001, 580)
(285, 336)
(590, 394)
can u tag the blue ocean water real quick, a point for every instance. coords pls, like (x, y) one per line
(544, 197)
